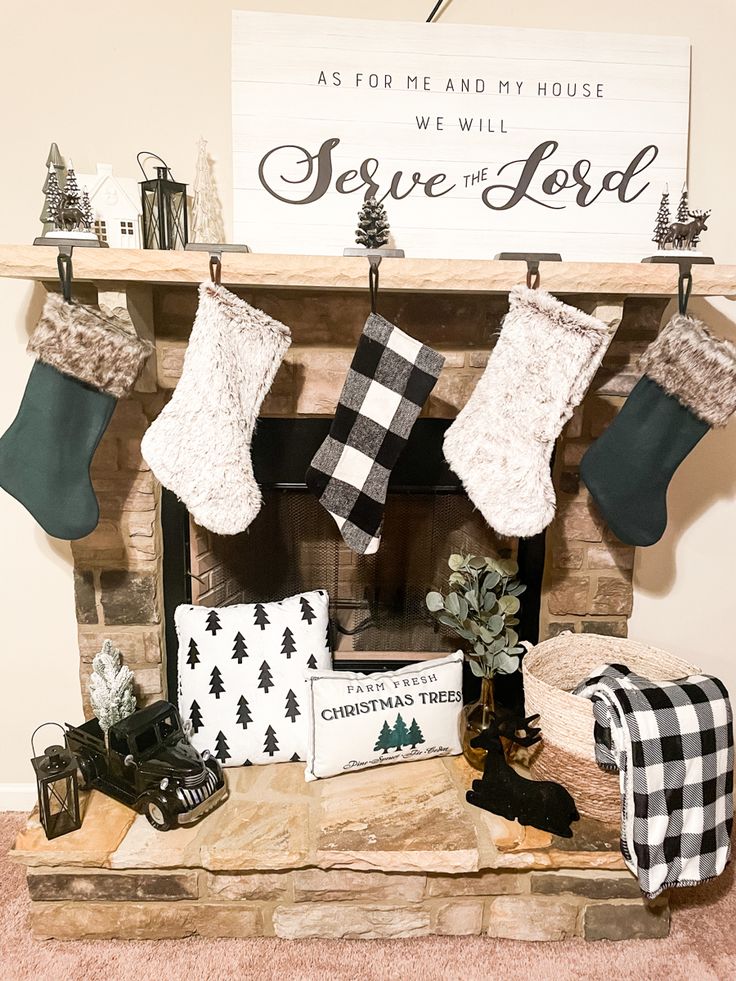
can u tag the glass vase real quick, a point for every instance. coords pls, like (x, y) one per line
(476, 717)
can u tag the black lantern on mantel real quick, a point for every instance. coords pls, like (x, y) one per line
(58, 791)
(164, 201)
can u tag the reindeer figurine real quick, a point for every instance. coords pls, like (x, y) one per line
(539, 803)
(683, 234)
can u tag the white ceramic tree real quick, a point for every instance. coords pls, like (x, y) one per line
(207, 224)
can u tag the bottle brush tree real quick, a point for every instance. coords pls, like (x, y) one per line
(54, 165)
(110, 687)
(683, 213)
(51, 213)
(662, 222)
(373, 227)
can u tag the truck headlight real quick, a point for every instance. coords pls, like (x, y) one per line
(206, 754)
(164, 783)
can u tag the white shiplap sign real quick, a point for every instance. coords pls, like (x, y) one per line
(477, 139)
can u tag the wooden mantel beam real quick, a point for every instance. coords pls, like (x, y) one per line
(253, 270)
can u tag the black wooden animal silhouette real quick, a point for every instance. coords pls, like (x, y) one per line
(539, 803)
(684, 234)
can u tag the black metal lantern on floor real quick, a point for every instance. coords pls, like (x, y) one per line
(58, 791)
(164, 201)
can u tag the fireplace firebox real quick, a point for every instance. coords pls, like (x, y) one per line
(378, 617)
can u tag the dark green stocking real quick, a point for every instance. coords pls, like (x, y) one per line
(46, 454)
(688, 386)
(86, 361)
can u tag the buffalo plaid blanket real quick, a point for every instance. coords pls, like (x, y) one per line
(672, 744)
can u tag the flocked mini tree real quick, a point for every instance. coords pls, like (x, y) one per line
(52, 189)
(683, 206)
(373, 227)
(206, 224)
(110, 687)
(54, 166)
(89, 217)
(72, 194)
(663, 220)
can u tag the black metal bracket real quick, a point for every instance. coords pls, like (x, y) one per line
(685, 278)
(532, 260)
(215, 250)
(64, 258)
(374, 257)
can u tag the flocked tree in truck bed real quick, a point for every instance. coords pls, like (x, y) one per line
(110, 688)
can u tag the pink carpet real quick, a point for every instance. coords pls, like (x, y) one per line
(701, 947)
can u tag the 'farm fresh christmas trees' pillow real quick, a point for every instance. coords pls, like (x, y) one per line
(242, 675)
(357, 720)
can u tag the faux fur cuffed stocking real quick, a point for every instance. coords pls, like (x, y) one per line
(501, 443)
(85, 362)
(199, 446)
(688, 386)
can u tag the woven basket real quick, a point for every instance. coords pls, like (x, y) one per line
(567, 751)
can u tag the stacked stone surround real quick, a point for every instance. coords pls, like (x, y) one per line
(117, 569)
(380, 854)
(390, 853)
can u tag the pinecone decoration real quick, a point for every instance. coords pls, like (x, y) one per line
(373, 227)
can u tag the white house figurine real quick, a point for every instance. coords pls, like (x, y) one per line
(116, 207)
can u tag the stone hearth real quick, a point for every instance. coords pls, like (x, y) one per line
(395, 852)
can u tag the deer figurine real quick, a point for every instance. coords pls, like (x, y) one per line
(541, 804)
(682, 234)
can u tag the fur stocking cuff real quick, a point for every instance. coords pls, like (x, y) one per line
(695, 367)
(81, 341)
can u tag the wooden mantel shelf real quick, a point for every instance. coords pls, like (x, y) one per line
(120, 266)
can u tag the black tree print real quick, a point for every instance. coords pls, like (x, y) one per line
(216, 685)
(292, 706)
(295, 759)
(239, 649)
(270, 744)
(260, 616)
(244, 716)
(266, 679)
(399, 734)
(193, 655)
(195, 716)
(384, 739)
(288, 646)
(247, 763)
(312, 662)
(415, 734)
(221, 748)
(213, 622)
(308, 613)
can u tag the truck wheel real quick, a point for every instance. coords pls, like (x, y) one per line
(156, 814)
(86, 769)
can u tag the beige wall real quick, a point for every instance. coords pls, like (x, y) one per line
(144, 75)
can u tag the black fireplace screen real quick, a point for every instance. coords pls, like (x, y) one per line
(377, 601)
(377, 610)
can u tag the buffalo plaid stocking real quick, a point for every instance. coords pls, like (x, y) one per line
(389, 381)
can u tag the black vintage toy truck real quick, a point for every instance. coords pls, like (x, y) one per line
(150, 765)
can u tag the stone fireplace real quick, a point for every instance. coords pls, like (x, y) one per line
(390, 852)
(120, 592)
